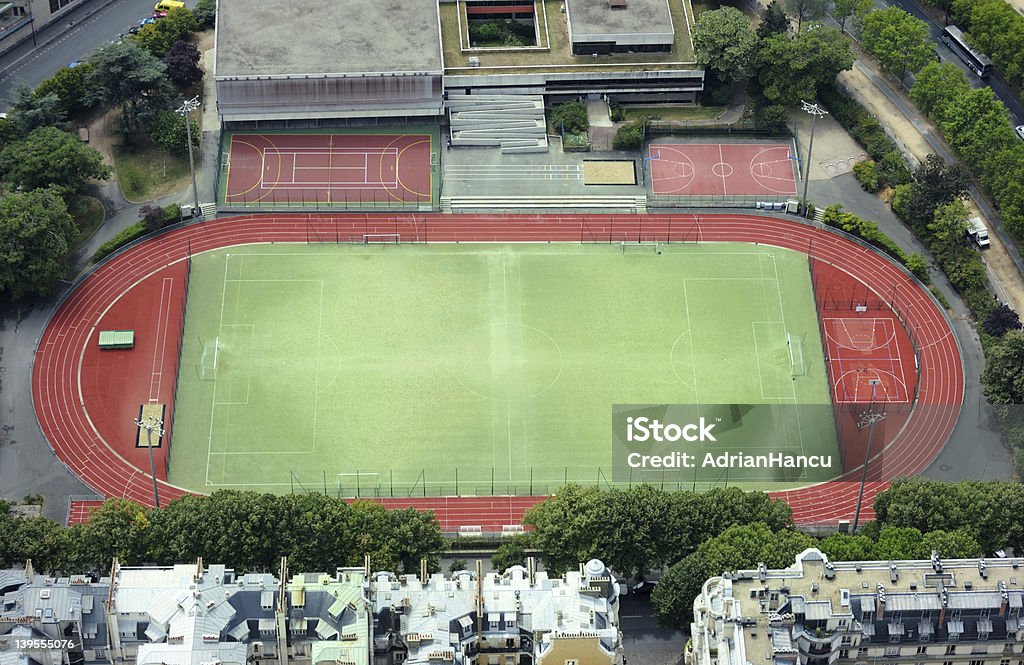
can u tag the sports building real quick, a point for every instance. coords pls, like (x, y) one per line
(283, 64)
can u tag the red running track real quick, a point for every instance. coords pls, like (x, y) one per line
(57, 392)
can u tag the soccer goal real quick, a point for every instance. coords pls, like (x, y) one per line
(796, 355)
(382, 238)
(357, 484)
(641, 247)
(207, 365)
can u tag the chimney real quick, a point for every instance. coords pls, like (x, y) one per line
(479, 596)
(28, 570)
(423, 572)
(880, 600)
(531, 568)
(944, 596)
(1004, 598)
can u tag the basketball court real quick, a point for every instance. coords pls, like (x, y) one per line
(329, 170)
(722, 169)
(865, 360)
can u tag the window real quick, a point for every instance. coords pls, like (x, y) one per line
(846, 640)
(892, 651)
(977, 662)
(494, 625)
(572, 662)
(922, 651)
(1004, 661)
(844, 653)
(862, 651)
(947, 662)
(950, 649)
(510, 623)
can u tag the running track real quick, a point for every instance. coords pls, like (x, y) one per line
(66, 425)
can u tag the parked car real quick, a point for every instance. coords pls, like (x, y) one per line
(74, 63)
(643, 588)
(134, 30)
(147, 21)
(1020, 131)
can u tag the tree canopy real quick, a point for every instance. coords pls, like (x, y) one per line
(789, 70)
(935, 85)
(50, 156)
(774, 21)
(75, 87)
(134, 79)
(806, 10)
(844, 10)
(158, 37)
(182, 61)
(724, 42)
(31, 110)
(35, 233)
(900, 42)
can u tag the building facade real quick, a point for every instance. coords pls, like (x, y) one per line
(818, 612)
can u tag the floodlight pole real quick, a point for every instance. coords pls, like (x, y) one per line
(867, 419)
(187, 107)
(150, 424)
(815, 111)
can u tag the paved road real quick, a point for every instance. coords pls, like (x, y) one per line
(1004, 93)
(95, 23)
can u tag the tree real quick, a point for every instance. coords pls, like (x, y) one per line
(792, 69)
(119, 528)
(35, 233)
(1003, 376)
(132, 78)
(1001, 320)
(167, 130)
(723, 41)
(49, 156)
(205, 13)
(75, 87)
(509, 554)
(843, 10)
(158, 37)
(740, 546)
(570, 117)
(182, 62)
(774, 21)
(934, 183)
(900, 42)
(949, 224)
(806, 10)
(30, 111)
(153, 217)
(935, 85)
(957, 544)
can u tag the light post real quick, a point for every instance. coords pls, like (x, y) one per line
(187, 107)
(815, 111)
(867, 419)
(151, 424)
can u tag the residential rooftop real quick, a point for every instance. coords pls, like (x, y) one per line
(634, 17)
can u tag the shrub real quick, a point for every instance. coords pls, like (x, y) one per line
(167, 130)
(133, 232)
(205, 13)
(570, 118)
(629, 137)
(152, 217)
(867, 175)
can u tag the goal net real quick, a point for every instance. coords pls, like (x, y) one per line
(641, 247)
(796, 355)
(207, 365)
(358, 484)
(377, 239)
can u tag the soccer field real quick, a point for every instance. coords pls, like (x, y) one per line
(479, 369)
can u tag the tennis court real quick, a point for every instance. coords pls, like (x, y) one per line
(722, 169)
(477, 369)
(326, 170)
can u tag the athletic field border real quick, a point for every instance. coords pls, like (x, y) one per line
(56, 386)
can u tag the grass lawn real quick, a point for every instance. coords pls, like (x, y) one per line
(145, 172)
(476, 369)
(89, 215)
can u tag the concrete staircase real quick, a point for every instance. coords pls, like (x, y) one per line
(632, 204)
(515, 123)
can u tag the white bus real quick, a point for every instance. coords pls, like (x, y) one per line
(979, 63)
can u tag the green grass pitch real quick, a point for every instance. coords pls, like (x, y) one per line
(475, 369)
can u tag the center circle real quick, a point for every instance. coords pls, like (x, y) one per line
(508, 362)
(722, 170)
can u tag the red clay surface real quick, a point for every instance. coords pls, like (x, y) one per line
(325, 169)
(109, 465)
(721, 169)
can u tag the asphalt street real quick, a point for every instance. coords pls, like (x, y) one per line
(72, 37)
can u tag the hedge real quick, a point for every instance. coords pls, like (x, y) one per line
(133, 232)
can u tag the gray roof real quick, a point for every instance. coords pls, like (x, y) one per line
(281, 37)
(595, 17)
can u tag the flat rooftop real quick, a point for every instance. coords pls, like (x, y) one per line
(638, 17)
(555, 52)
(283, 37)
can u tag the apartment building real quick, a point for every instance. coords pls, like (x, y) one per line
(818, 612)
